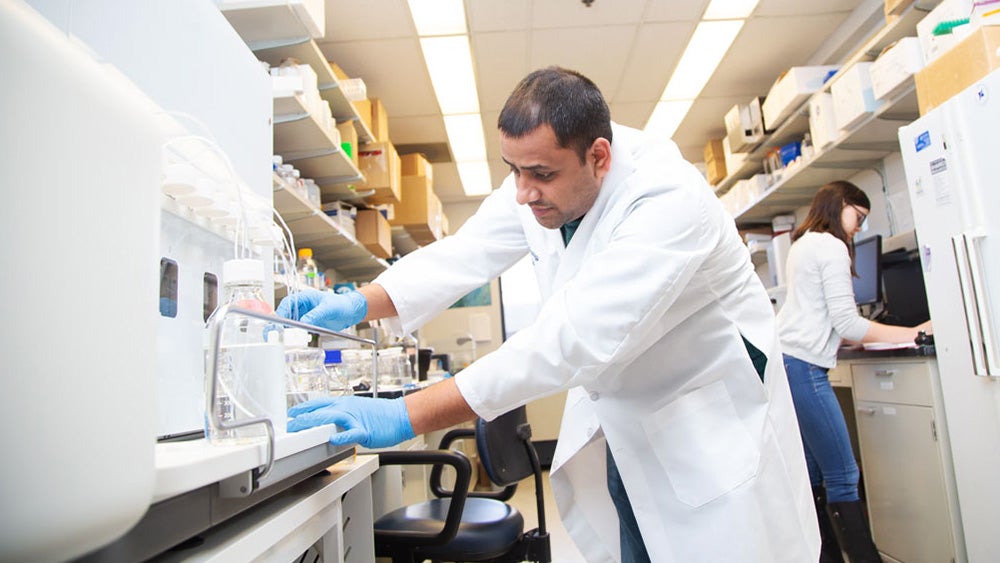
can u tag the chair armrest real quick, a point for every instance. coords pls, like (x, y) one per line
(435, 478)
(453, 519)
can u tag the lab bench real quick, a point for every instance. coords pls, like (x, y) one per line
(892, 404)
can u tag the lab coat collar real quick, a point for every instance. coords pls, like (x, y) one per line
(622, 166)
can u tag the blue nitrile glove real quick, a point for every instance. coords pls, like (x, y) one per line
(335, 311)
(372, 423)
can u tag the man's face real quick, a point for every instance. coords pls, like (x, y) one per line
(550, 179)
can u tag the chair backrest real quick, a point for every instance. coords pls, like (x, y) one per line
(504, 447)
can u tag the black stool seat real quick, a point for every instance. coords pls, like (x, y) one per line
(489, 528)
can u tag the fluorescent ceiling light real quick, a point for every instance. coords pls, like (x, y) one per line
(465, 135)
(708, 45)
(475, 178)
(438, 17)
(667, 117)
(729, 9)
(449, 61)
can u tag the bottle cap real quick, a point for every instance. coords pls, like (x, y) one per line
(297, 338)
(305, 253)
(333, 357)
(242, 270)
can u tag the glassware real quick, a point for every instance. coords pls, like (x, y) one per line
(304, 365)
(250, 380)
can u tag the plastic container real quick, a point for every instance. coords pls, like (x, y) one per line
(306, 376)
(250, 380)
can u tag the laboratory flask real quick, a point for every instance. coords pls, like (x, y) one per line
(308, 272)
(306, 376)
(250, 374)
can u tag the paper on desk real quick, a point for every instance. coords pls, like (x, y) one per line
(888, 345)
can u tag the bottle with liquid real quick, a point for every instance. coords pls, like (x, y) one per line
(305, 372)
(250, 374)
(308, 272)
(338, 379)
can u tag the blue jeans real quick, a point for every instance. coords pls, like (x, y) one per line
(824, 433)
(633, 549)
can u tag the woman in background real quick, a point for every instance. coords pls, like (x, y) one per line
(818, 314)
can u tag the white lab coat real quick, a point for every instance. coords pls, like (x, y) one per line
(641, 321)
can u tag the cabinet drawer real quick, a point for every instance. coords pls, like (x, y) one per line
(893, 382)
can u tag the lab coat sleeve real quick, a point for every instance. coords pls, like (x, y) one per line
(614, 308)
(838, 291)
(432, 278)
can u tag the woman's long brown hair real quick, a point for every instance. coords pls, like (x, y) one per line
(827, 208)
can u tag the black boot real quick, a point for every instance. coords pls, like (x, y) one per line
(830, 549)
(851, 528)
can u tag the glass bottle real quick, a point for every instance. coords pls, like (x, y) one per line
(250, 381)
(308, 272)
(305, 373)
(338, 379)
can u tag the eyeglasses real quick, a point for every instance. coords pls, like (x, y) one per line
(862, 216)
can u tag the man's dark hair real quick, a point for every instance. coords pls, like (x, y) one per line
(566, 100)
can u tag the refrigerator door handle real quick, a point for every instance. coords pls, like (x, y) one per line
(977, 314)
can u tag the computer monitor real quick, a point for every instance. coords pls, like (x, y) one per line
(868, 265)
(903, 291)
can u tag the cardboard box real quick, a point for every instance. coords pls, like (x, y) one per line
(853, 98)
(791, 90)
(973, 58)
(380, 120)
(897, 63)
(381, 166)
(896, 7)
(416, 165)
(374, 232)
(715, 161)
(349, 139)
(364, 108)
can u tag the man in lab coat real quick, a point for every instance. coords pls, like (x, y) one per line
(679, 441)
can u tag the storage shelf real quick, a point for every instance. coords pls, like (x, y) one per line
(263, 22)
(301, 140)
(863, 145)
(286, 108)
(860, 148)
(331, 245)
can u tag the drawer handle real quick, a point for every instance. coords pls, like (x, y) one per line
(347, 552)
(884, 372)
(346, 522)
(870, 411)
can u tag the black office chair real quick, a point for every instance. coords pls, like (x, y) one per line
(463, 525)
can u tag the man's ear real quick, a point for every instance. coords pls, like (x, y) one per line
(601, 151)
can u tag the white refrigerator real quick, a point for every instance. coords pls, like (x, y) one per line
(952, 160)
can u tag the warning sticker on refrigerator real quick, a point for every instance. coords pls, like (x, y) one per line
(942, 186)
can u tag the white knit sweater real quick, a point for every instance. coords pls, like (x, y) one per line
(819, 309)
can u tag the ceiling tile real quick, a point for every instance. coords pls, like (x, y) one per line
(755, 60)
(498, 15)
(672, 10)
(392, 69)
(372, 19)
(654, 55)
(501, 62)
(574, 13)
(574, 48)
(632, 114)
(405, 130)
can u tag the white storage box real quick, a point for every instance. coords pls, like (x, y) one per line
(853, 98)
(891, 69)
(822, 123)
(744, 126)
(791, 90)
(734, 160)
(948, 10)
